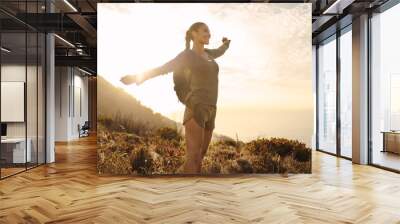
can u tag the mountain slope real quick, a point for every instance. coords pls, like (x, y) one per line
(113, 100)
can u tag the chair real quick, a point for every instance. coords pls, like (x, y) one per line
(84, 130)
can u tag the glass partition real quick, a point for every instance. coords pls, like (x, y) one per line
(327, 95)
(41, 87)
(346, 92)
(31, 100)
(14, 154)
(22, 78)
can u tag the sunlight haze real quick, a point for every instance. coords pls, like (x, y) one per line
(265, 85)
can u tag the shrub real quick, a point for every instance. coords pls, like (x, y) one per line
(229, 166)
(210, 166)
(222, 154)
(270, 155)
(280, 146)
(302, 154)
(143, 161)
(113, 162)
(245, 166)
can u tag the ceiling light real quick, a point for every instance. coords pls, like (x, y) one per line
(5, 49)
(338, 6)
(64, 40)
(70, 5)
(86, 72)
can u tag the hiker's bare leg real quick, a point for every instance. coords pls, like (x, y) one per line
(206, 142)
(194, 138)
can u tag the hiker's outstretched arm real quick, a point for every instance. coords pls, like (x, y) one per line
(215, 53)
(168, 67)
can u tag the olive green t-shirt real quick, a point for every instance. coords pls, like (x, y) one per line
(203, 72)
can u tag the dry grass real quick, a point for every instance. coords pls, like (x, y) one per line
(127, 147)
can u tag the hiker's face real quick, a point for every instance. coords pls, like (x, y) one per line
(202, 35)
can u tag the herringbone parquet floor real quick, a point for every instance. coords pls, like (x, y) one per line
(70, 191)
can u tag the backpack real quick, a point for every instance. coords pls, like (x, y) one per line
(182, 76)
(182, 79)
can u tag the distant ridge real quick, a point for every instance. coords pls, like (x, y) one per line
(112, 99)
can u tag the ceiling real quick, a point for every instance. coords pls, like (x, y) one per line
(75, 21)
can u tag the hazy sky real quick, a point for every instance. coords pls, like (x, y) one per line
(266, 69)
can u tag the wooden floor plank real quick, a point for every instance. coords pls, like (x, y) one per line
(70, 191)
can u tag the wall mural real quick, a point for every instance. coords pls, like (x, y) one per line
(213, 88)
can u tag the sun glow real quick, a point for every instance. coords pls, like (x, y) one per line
(147, 45)
(263, 71)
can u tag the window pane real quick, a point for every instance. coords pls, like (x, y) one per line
(14, 153)
(345, 94)
(386, 89)
(41, 98)
(327, 96)
(31, 98)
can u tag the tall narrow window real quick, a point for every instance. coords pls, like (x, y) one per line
(327, 95)
(385, 88)
(346, 92)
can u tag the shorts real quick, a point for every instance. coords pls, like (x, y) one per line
(203, 114)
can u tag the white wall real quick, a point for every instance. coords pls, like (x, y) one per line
(80, 110)
(71, 94)
(14, 73)
(62, 81)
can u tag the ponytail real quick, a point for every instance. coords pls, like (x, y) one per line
(188, 37)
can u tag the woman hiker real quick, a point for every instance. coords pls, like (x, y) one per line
(199, 66)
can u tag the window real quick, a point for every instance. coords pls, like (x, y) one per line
(327, 95)
(346, 92)
(385, 89)
(22, 88)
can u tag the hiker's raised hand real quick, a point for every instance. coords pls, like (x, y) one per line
(226, 40)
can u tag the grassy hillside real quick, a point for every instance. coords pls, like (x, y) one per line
(134, 140)
(128, 147)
